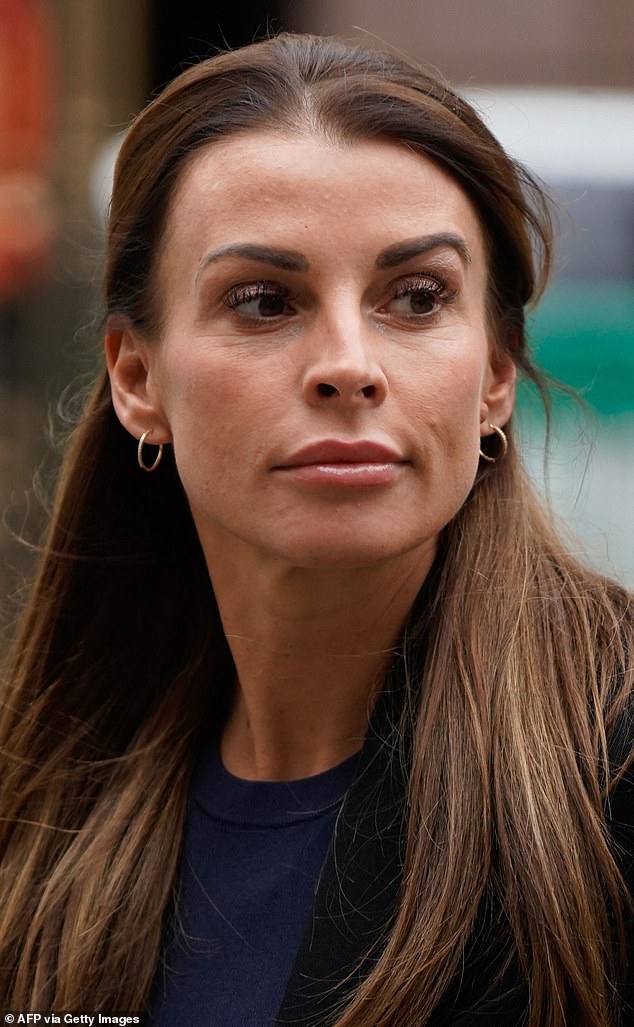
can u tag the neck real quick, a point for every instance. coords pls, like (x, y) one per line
(311, 648)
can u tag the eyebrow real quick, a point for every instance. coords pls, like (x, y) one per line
(286, 260)
(404, 251)
(290, 260)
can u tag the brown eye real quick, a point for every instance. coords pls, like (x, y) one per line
(422, 302)
(417, 297)
(258, 301)
(270, 305)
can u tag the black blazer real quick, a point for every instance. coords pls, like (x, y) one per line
(358, 890)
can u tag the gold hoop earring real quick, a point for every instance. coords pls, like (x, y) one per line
(504, 445)
(139, 453)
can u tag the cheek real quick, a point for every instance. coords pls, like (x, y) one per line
(446, 398)
(217, 415)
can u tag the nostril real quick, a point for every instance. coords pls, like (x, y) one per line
(369, 391)
(326, 390)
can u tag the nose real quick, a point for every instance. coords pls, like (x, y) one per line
(344, 371)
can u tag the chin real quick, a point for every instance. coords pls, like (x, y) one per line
(343, 553)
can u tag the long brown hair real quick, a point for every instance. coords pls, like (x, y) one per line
(121, 656)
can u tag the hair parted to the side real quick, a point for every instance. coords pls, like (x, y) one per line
(121, 656)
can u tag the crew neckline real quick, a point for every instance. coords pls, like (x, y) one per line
(235, 800)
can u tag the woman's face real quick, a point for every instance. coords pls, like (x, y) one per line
(324, 368)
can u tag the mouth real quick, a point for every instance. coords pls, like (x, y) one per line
(340, 464)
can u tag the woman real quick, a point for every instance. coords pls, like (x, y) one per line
(334, 579)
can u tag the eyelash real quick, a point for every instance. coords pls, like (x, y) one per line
(435, 288)
(254, 291)
(423, 285)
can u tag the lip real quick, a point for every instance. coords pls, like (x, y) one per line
(336, 451)
(333, 463)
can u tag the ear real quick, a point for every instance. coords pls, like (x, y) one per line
(129, 360)
(498, 394)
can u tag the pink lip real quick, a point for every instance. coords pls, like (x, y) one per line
(332, 463)
(333, 451)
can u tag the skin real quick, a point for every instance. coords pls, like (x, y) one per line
(370, 325)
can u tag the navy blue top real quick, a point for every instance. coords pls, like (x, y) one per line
(252, 855)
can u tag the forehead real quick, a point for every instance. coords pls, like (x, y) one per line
(311, 193)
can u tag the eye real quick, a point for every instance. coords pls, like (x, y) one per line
(418, 296)
(258, 300)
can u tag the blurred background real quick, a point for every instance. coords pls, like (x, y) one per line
(554, 79)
